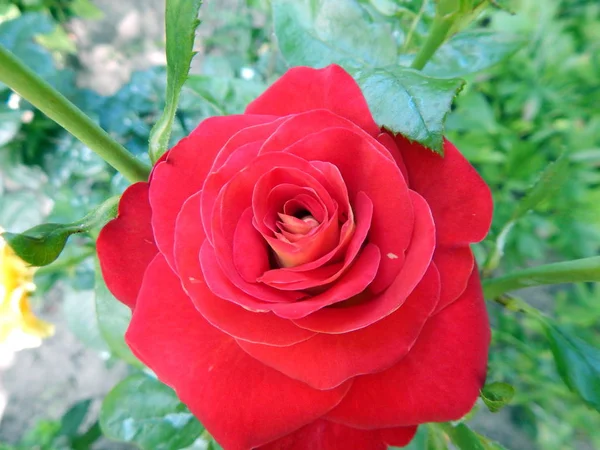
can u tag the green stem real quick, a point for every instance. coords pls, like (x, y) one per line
(577, 271)
(437, 35)
(40, 94)
(413, 26)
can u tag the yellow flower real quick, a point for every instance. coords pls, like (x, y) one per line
(19, 327)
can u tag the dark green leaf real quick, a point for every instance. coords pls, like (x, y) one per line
(317, 33)
(74, 417)
(548, 183)
(143, 411)
(406, 101)
(578, 363)
(113, 319)
(42, 244)
(470, 52)
(181, 22)
(497, 395)
(85, 440)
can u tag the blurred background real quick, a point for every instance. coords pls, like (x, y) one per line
(107, 56)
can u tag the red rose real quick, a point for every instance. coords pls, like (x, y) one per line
(302, 278)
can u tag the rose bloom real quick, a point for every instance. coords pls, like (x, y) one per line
(303, 278)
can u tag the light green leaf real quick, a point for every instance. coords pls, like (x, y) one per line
(224, 95)
(470, 52)
(10, 123)
(466, 439)
(80, 313)
(578, 363)
(143, 411)
(42, 244)
(113, 320)
(86, 9)
(317, 33)
(181, 22)
(497, 395)
(406, 101)
(548, 183)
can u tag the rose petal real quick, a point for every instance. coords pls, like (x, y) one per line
(230, 318)
(438, 381)
(379, 177)
(327, 360)
(183, 171)
(460, 200)
(455, 265)
(418, 258)
(325, 435)
(126, 245)
(231, 393)
(317, 273)
(303, 89)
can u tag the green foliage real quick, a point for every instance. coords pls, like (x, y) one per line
(63, 434)
(577, 361)
(388, 90)
(142, 410)
(42, 244)
(318, 33)
(497, 395)
(472, 51)
(112, 318)
(181, 23)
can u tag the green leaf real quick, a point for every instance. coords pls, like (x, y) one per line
(546, 186)
(578, 363)
(317, 33)
(10, 123)
(470, 52)
(74, 417)
(113, 319)
(497, 395)
(466, 439)
(143, 411)
(42, 244)
(224, 95)
(181, 22)
(406, 101)
(86, 9)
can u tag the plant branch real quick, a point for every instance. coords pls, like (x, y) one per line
(437, 35)
(579, 270)
(40, 94)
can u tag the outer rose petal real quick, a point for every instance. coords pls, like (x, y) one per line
(438, 381)
(325, 435)
(126, 245)
(242, 403)
(303, 89)
(455, 265)
(327, 360)
(230, 318)
(183, 171)
(460, 200)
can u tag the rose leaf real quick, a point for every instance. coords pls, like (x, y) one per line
(181, 21)
(407, 102)
(143, 411)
